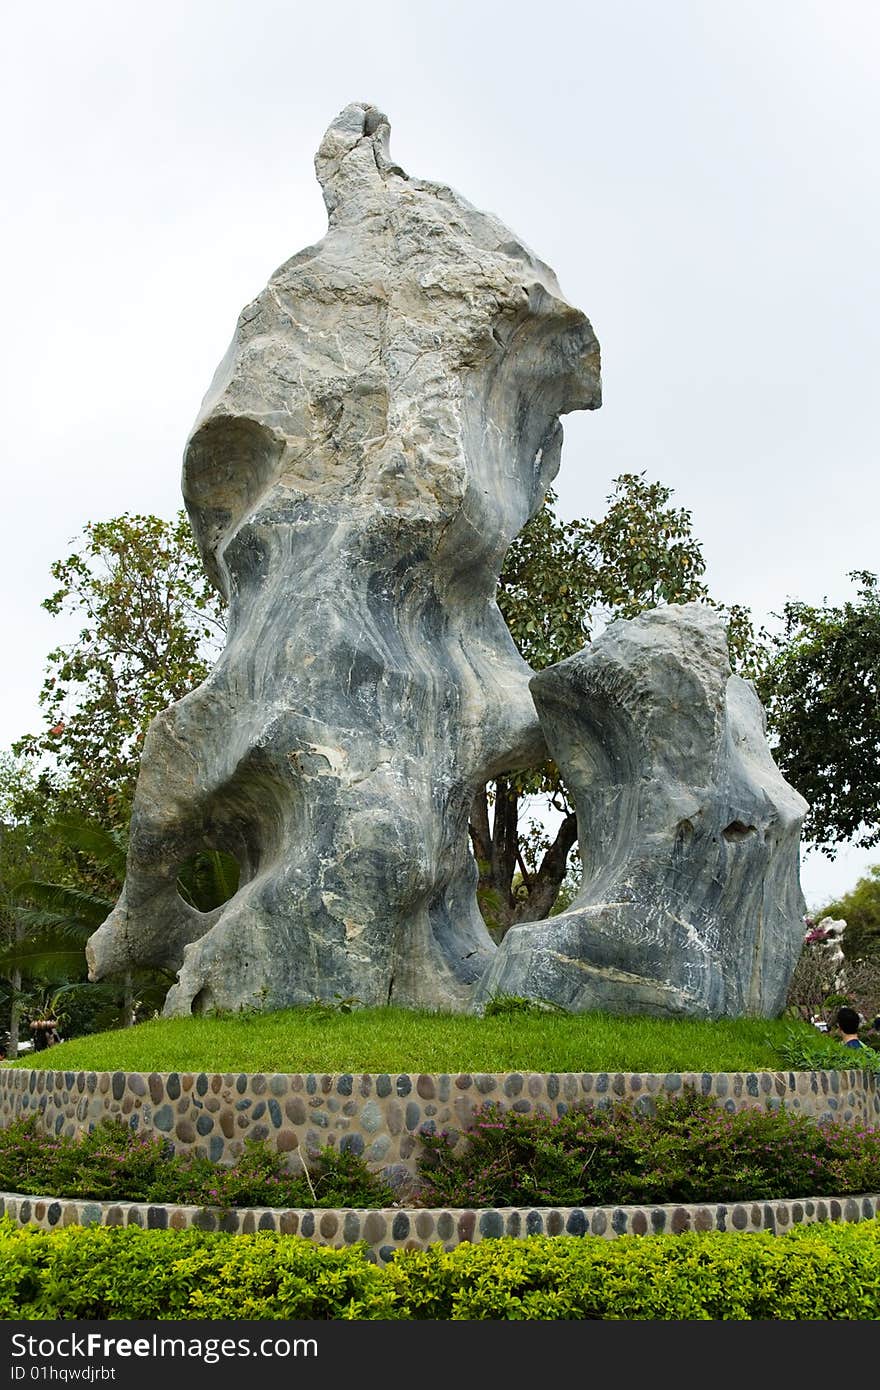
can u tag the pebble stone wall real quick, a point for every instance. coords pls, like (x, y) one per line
(381, 1116)
(390, 1229)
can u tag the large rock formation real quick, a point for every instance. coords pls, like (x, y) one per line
(690, 902)
(383, 424)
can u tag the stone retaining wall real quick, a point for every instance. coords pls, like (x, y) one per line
(380, 1116)
(395, 1228)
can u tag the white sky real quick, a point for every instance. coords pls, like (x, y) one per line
(701, 175)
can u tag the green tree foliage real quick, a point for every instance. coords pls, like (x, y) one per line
(819, 685)
(58, 880)
(26, 842)
(59, 917)
(860, 909)
(56, 919)
(562, 579)
(25, 837)
(150, 625)
(149, 618)
(561, 583)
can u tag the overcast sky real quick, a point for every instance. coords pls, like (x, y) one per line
(701, 175)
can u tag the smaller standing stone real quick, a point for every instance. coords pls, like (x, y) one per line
(691, 902)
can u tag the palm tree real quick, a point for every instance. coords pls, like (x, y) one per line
(53, 921)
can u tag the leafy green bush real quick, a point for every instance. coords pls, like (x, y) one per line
(816, 1272)
(813, 1272)
(688, 1148)
(116, 1272)
(803, 1052)
(112, 1162)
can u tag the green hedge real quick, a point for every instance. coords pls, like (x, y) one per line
(686, 1148)
(815, 1272)
(114, 1163)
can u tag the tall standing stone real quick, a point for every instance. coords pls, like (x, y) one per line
(384, 423)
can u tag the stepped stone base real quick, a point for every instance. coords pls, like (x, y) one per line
(381, 1115)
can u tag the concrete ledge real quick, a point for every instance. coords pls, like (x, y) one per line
(412, 1228)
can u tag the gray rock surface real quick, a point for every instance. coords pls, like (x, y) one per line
(690, 902)
(828, 952)
(384, 423)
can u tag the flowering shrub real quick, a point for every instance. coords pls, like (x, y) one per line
(815, 934)
(690, 1149)
(114, 1163)
(821, 979)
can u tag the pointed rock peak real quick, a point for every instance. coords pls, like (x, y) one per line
(353, 159)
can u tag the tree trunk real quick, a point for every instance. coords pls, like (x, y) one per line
(14, 1011)
(492, 897)
(505, 837)
(546, 883)
(498, 856)
(481, 835)
(128, 1001)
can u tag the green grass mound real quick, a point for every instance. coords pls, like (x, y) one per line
(317, 1039)
(818, 1272)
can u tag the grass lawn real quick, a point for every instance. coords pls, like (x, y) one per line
(401, 1040)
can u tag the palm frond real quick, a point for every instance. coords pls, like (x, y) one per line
(50, 957)
(40, 905)
(208, 879)
(102, 844)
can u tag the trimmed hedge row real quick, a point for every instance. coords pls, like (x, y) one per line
(816, 1272)
(685, 1148)
(115, 1163)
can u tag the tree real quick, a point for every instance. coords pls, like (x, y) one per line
(55, 920)
(25, 842)
(817, 978)
(860, 909)
(819, 684)
(561, 582)
(150, 618)
(151, 625)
